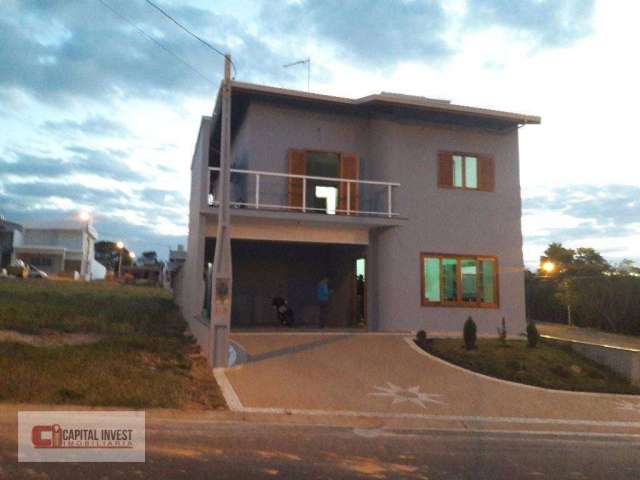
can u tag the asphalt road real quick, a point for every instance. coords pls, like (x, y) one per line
(180, 449)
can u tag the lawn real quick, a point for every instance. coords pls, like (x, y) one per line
(549, 365)
(141, 357)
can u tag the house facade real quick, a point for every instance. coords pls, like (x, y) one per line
(10, 237)
(419, 196)
(61, 248)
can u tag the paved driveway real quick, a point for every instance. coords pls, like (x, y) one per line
(386, 376)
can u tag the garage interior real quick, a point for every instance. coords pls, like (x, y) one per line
(263, 270)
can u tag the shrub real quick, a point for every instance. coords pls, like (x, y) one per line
(422, 341)
(470, 333)
(532, 335)
(502, 332)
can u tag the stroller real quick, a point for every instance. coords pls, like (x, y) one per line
(284, 312)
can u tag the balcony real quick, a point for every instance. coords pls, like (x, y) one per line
(285, 192)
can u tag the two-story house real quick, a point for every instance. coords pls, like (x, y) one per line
(423, 193)
(10, 237)
(61, 248)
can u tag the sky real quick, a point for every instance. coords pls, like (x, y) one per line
(96, 116)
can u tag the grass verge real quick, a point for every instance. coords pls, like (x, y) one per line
(549, 365)
(144, 360)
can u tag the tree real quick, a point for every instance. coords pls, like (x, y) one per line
(560, 256)
(588, 262)
(108, 254)
(596, 293)
(626, 267)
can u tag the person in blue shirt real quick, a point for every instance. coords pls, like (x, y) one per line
(322, 296)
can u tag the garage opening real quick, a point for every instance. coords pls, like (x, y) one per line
(264, 270)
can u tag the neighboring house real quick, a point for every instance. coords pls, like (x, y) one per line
(146, 270)
(10, 237)
(425, 193)
(61, 248)
(177, 258)
(149, 274)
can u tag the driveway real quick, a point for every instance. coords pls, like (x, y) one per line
(387, 377)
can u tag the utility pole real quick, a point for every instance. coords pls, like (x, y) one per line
(219, 325)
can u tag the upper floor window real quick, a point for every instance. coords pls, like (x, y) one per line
(466, 171)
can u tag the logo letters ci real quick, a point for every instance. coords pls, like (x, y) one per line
(53, 442)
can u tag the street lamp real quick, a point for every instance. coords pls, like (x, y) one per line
(548, 267)
(119, 246)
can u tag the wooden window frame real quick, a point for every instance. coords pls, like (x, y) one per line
(480, 158)
(342, 190)
(459, 303)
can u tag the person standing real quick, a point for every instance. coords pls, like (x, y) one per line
(322, 296)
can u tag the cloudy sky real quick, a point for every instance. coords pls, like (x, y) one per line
(94, 115)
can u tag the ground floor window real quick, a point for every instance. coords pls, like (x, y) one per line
(459, 280)
(38, 261)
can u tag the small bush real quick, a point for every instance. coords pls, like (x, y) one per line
(532, 335)
(502, 332)
(422, 341)
(470, 333)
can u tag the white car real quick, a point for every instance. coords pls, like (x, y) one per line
(37, 273)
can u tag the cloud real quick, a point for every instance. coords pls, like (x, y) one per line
(553, 23)
(160, 197)
(103, 163)
(57, 50)
(93, 125)
(75, 192)
(33, 165)
(378, 33)
(383, 33)
(597, 211)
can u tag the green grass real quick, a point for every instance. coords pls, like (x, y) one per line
(549, 365)
(34, 306)
(143, 360)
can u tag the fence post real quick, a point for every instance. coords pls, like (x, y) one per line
(390, 209)
(348, 198)
(304, 194)
(257, 190)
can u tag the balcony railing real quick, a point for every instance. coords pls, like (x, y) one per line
(269, 191)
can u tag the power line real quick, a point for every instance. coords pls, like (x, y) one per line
(204, 42)
(170, 52)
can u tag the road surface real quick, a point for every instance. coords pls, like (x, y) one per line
(198, 449)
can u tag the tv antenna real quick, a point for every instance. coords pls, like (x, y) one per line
(302, 62)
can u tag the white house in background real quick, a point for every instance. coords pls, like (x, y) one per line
(61, 248)
(10, 237)
(177, 258)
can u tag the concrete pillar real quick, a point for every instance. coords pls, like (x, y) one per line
(371, 278)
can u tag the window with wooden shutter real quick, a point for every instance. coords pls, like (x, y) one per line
(349, 168)
(296, 167)
(466, 171)
(445, 170)
(486, 174)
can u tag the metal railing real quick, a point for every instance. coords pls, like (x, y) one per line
(257, 175)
